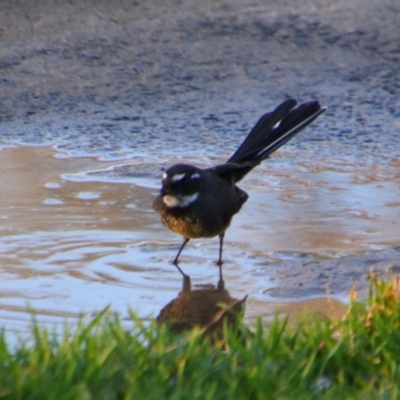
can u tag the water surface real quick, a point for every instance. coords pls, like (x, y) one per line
(78, 234)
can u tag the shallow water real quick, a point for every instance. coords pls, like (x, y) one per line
(78, 234)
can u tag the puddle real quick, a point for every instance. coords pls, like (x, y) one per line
(79, 234)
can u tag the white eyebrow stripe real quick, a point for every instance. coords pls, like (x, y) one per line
(178, 177)
(195, 176)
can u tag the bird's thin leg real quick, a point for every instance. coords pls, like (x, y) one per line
(175, 262)
(219, 263)
(221, 243)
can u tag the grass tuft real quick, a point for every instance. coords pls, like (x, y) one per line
(356, 357)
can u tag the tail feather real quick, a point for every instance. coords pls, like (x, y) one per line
(275, 129)
(289, 135)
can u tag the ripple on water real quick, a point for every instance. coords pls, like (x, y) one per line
(78, 234)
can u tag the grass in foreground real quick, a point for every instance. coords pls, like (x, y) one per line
(357, 357)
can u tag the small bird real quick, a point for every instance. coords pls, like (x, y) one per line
(200, 203)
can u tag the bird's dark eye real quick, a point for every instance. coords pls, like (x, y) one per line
(189, 178)
(185, 181)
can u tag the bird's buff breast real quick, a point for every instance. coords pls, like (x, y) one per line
(186, 222)
(185, 225)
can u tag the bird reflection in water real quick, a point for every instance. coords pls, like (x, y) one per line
(206, 307)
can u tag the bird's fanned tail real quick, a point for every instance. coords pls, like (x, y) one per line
(274, 129)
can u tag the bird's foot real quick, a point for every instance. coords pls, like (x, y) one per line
(175, 262)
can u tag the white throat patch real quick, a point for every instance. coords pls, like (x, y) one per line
(179, 201)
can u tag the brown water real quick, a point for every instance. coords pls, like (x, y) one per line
(78, 234)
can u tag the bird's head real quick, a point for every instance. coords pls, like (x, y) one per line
(180, 185)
